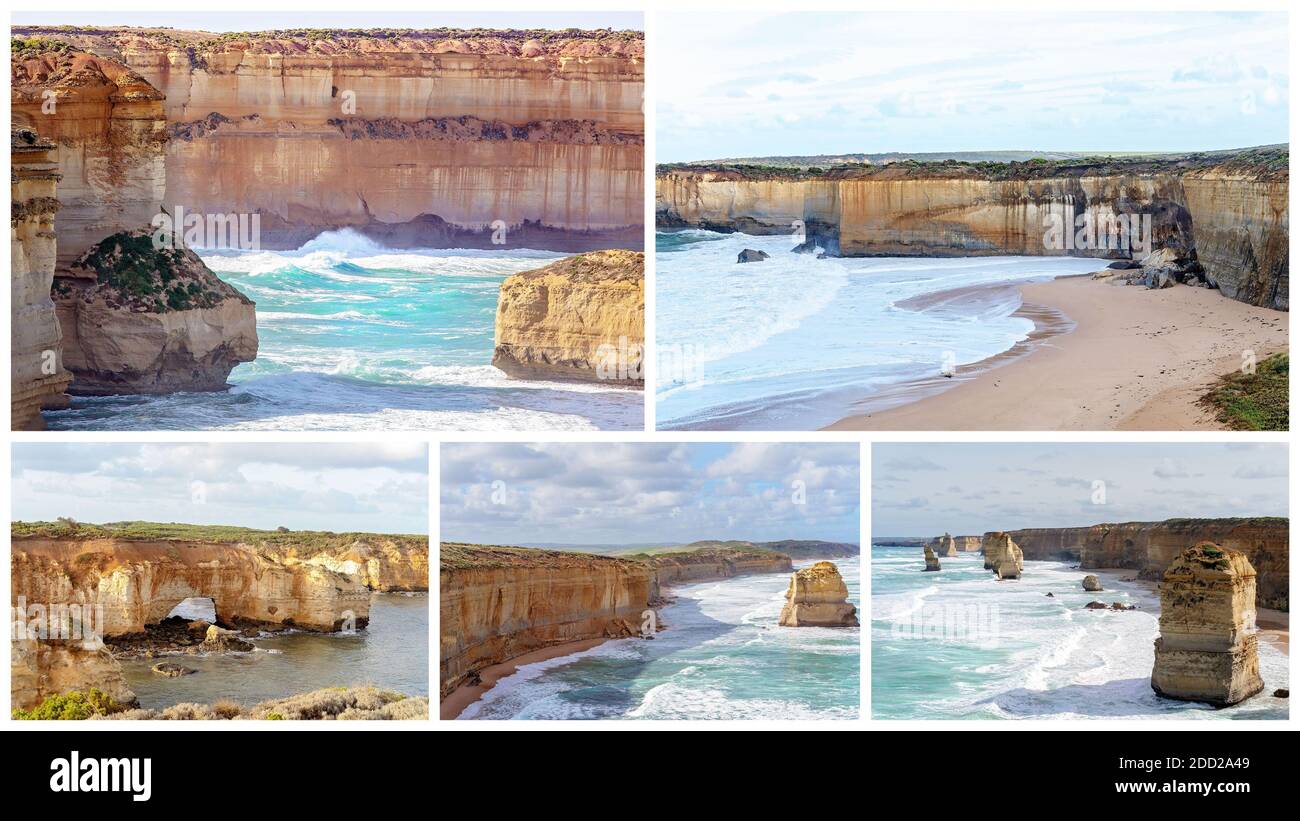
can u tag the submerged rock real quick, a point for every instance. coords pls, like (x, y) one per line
(1092, 584)
(818, 597)
(1207, 648)
(750, 255)
(169, 670)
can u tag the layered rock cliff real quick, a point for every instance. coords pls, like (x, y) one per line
(496, 603)
(1207, 648)
(943, 546)
(437, 138)
(1150, 547)
(579, 318)
(708, 563)
(40, 669)
(1226, 215)
(137, 318)
(1002, 555)
(37, 376)
(818, 597)
(110, 129)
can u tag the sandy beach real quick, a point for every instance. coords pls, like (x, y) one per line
(460, 698)
(1134, 359)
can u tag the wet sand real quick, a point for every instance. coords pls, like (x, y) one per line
(1101, 357)
(460, 698)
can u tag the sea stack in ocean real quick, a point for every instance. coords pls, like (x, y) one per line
(1206, 650)
(944, 546)
(1002, 555)
(581, 318)
(931, 560)
(818, 597)
(1092, 584)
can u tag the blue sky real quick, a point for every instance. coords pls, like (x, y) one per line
(968, 489)
(763, 83)
(371, 487)
(324, 18)
(641, 493)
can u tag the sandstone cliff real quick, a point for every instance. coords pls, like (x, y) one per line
(109, 126)
(944, 546)
(496, 603)
(794, 548)
(968, 544)
(818, 597)
(1002, 555)
(415, 138)
(141, 319)
(40, 669)
(708, 563)
(1227, 215)
(578, 318)
(37, 376)
(1149, 547)
(1207, 649)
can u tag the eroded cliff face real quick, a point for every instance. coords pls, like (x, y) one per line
(1229, 216)
(712, 563)
(40, 669)
(1002, 555)
(37, 376)
(137, 582)
(1207, 648)
(578, 318)
(109, 126)
(138, 319)
(432, 139)
(498, 603)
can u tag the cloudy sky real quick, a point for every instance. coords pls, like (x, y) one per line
(375, 487)
(618, 493)
(926, 489)
(761, 83)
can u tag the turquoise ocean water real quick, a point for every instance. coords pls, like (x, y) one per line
(722, 656)
(795, 342)
(959, 644)
(354, 336)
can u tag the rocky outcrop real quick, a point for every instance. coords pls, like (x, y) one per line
(1092, 584)
(1230, 211)
(580, 318)
(110, 129)
(944, 546)
(750, 255)
(37, 376)
(1206, 650)
(931, 560)
(143, 317)
(40, 668)
(437, 138)
(1002, 555)
(968, 544)
(818, 597)
(496, 603)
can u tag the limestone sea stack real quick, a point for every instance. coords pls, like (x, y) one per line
(1002, 555)
(1092, 584)
(931, 560)
(1206, 650)
(140, 316)
(581, 318)
(944, 546)
(37, 376)
(818, 597)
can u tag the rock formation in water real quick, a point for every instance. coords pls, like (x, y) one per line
(1092, 584)
(944, 546)
(931, 560)
(1002, 555)
(437, 138)
(1206, 650)
(818, 597)
(128, 578)
(138, 316)
(1149, 547)
(578, 318)
(1228, 215)
(37, 376)
(750, 255)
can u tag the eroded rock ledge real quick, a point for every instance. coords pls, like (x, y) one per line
(139, 319)
(581, 318)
